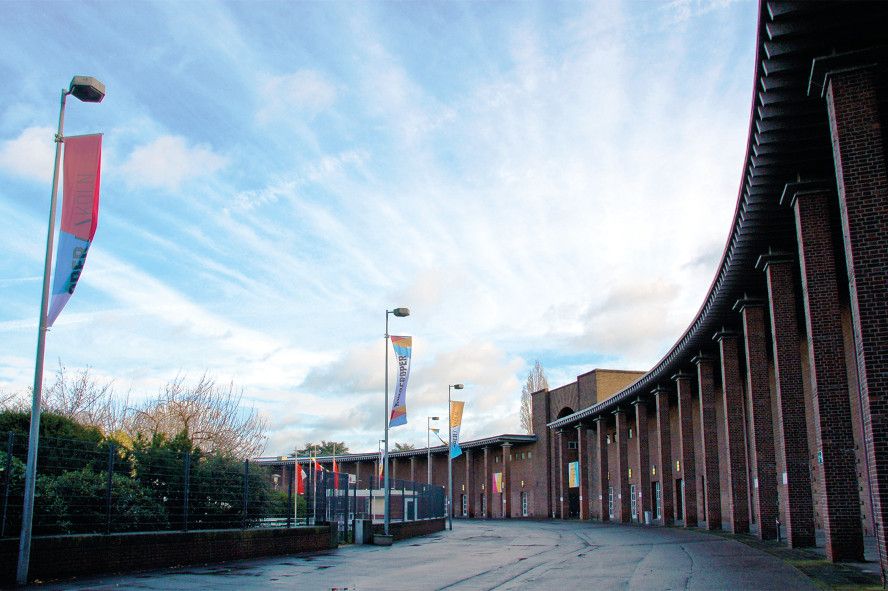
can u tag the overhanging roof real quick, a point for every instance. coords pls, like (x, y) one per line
(788, 140)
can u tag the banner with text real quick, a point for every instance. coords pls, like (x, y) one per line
(497, 484)
(402, 347)
(80, 214)
(573, 474)
(456, 412)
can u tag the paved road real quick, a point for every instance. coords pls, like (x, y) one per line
(498, 555)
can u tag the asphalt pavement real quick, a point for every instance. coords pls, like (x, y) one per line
(498, 555)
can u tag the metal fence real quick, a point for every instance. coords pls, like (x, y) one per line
(97, 486)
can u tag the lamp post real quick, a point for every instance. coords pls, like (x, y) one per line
(429, 447)
(400, 313)
(88, 90)
(449, 456)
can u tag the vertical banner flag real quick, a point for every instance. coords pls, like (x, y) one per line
(300, 480)
(381, 465)
(497, 484)
(573, 474)
(80, 214)
(402, 347)
(335, 475)
(456, 412)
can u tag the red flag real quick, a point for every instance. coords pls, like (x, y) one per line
(318, 467)
(300, 480)
(335, 475)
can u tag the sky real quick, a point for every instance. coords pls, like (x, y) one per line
(549, 181)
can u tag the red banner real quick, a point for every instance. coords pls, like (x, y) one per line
(82, 169)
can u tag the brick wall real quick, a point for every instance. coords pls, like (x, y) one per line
(54, 557)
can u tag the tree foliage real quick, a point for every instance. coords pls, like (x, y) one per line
(324, 448)
(404, 446)
(535, 381)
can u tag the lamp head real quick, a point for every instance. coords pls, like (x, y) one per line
(434, 418)
(87, 89)
(458, 386)
(401, 312)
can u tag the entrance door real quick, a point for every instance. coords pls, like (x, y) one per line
(679, 499)
(658, 511)
(465, 505)
(523, 504)
(610, 501)
(633, 502)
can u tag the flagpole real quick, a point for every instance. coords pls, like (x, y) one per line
(449, 460)
(314, 479)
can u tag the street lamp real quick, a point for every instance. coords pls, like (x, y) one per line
(429, 446)
(88, 90)
(400, 313)
(449, 456)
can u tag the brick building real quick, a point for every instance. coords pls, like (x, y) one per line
(773, 404)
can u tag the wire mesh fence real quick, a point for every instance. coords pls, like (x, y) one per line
(99, 486)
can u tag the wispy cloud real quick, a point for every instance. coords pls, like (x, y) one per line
(169, 161)
(29, 155)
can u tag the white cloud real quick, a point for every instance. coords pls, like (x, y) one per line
(293, 96)
(30, 155)
(169, 161)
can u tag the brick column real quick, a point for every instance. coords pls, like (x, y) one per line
(507, 481)
(485, 486)
(764, 464)
(798, 507)
(644, 456)
(738, 505)
(601, 467)
(413, 468)
(829, 382)
(664, 454)
(621, 438)
(470, 482)
(581, 474)
(684, 388)
(860, 157)
(560, 443)
(709, 466)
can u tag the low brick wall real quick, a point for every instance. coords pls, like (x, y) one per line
(54, 557)
(411, 529)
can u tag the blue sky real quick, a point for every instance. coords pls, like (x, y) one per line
(548, 181)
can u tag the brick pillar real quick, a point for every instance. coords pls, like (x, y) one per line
(764, 464)
(683, 385)
(798, 507)
(621, 438)
(644, 457)
(413, 468)
(601, 467)
(393, 466)
(581, 474)
(709, 466)
(485, 486)
(860, 157)
(738, 495)
(829, 382)
(470, 483)
(561, 443)
(507, 481)
(664, 454)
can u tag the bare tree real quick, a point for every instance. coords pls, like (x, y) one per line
(536, 381)
(80, 397)
(12, 401)
(404, 446)
(212, 416)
